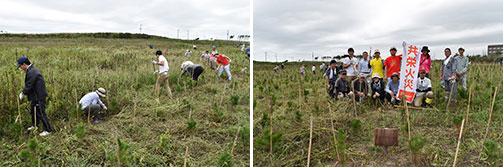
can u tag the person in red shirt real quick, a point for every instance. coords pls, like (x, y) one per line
(224, 63)
(392, 63)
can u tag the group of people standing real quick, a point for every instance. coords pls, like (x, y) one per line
(379, 79)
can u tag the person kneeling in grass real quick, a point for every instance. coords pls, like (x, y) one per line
(423, 90)
(392, 89)
(378, 88)
(193, 69)
(360, 87)
(224, 64)
(91, 104)
(342, 85)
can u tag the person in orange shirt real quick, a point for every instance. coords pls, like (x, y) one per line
(392, 64)
(224, 64)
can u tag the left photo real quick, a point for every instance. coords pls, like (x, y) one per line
(163, 83)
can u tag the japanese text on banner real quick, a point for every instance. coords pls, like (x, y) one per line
(409, 71)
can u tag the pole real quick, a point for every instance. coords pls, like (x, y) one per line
(459, 142)
(310, 141)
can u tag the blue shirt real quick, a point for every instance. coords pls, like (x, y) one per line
(390, 87)
(363, 66)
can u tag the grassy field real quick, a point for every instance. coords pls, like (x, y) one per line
(137, 129)
(289, 101)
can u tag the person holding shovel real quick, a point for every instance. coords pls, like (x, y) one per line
(90, 104)
(163, 73)
(448, 75)
(34, 88)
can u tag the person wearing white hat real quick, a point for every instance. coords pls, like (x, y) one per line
(378, 87)
(377, 64)
(91, 104)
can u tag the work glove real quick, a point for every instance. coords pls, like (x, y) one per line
(156, 72)
(105, 108)
(154, 62)
(21, 96)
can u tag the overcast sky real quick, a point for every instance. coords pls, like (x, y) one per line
(202, 18)
(329, 27)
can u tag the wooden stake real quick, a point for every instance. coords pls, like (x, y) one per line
(88, 116)
(271, 127)
(459, 142)
(35, 115)
(235, 140)
(186, 155)
(490, 114)
(134, 112)
(76, 106)
(354, 96)
(450, 94)
(310, 141)
(333, 133)
(468, 108)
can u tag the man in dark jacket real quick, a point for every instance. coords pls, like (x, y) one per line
(331, 77)
(36, 92)
(342, 85)
(360, 87)
(378, 88)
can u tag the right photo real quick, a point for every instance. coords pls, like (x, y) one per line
(377, 83)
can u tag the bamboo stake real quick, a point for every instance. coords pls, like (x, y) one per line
(190, 111)
(459, 142)
(18, 111)
(468, 108)
(490, 114)
(450, 94)
(118, 147)
(310, 141)
(35, 115)
(235, 140)
(271, 127)
(353, 98)
(134, 113)
(88, 116)
(333, 133)
(186, 155)
(76, 106)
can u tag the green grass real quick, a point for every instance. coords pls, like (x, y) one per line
(436, 126)
(75, 66)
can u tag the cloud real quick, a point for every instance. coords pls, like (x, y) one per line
(202, 18)
(328, 28)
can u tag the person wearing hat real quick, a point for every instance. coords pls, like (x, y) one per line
(194, 70)
(330, 78)
(392, 63)
(313, 69)
(276, 68)
(34, 88)
(206, 55)
(377, 64)
(392, 89)
(213, 57)
(282, 66)
(214, 50)
(322, 67)
(448, 74)
(91, 105)
(462, 63)
(224, 64)
(423, 90)
(377, 87)
(163, 74)
(194, 47)
(342, 85)
(350, 64)
(360, 88)
(425, 62)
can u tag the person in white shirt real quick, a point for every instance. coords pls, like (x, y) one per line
(302, 70)
(423, 90)
(187, 54)
(314, 69)
(350, 65)
(91, 104)
(163, 73)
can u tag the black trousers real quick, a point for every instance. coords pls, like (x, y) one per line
(41, 115)
(380, 97)
(197, 71)
(388, 97)
(331, 90)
